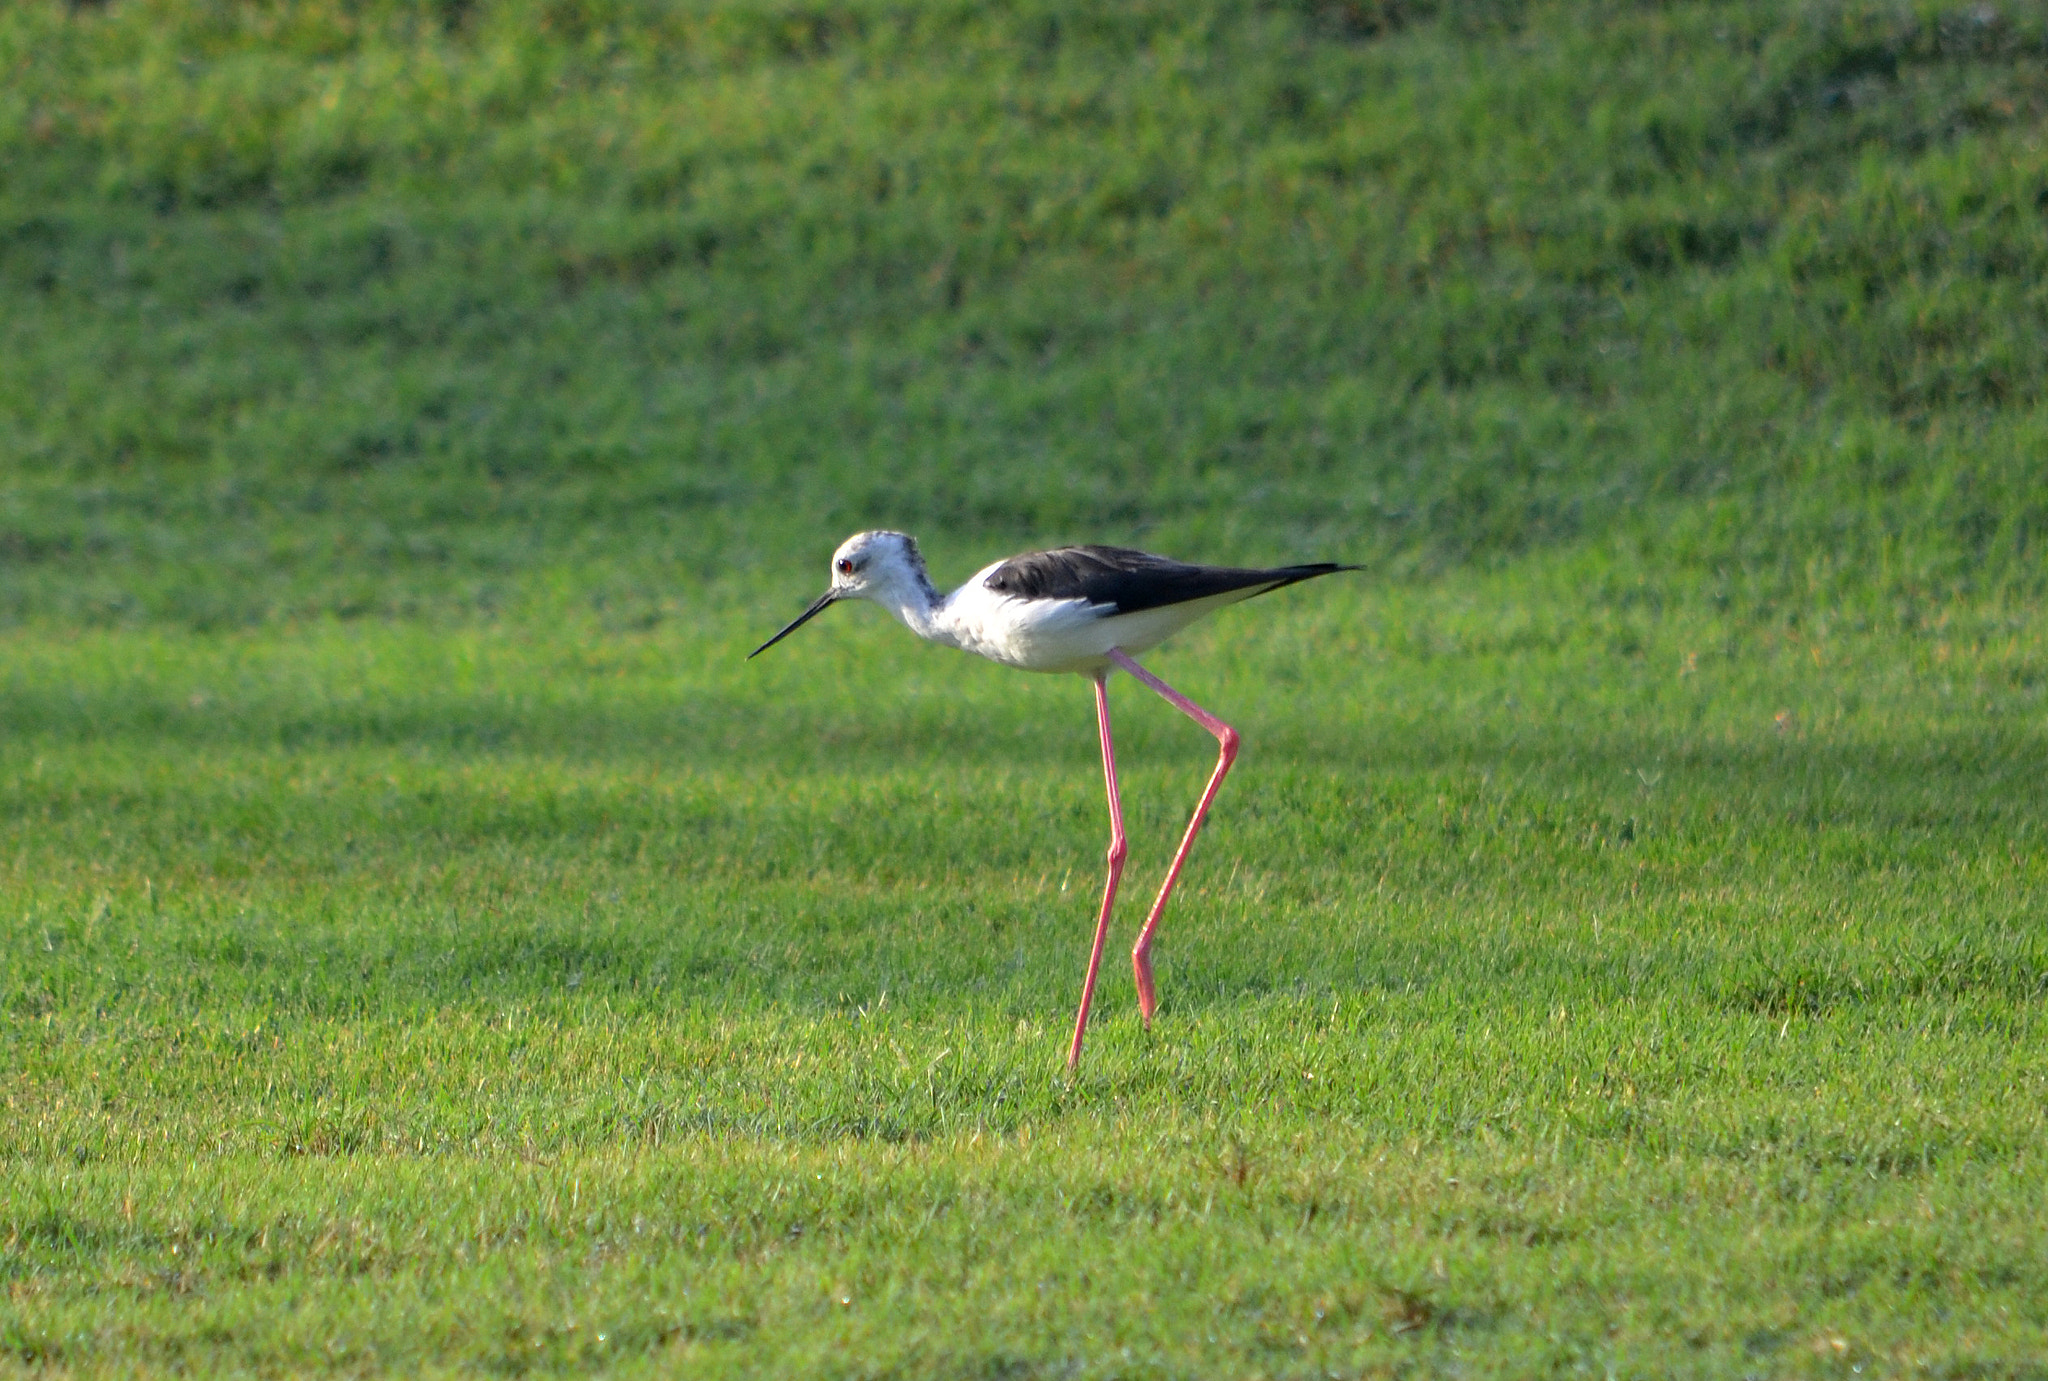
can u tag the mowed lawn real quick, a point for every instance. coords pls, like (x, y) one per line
(1561, 986)
(429, 946)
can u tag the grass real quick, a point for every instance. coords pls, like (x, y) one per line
(426, 946)
(347, 310)
(384, 1000)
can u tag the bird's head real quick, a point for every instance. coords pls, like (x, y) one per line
(881, 566)
(877, 565)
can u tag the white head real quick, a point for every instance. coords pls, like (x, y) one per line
(882, 566)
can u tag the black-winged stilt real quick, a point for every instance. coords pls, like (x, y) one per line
(1079, 609)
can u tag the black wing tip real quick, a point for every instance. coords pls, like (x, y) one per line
(1284, 576)
(1313, 569)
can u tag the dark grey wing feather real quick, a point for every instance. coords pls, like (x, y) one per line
(1128, 581)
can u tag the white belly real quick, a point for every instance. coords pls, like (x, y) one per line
(1063, 634)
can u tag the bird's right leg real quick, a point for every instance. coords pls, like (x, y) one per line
(1116, 866)
(1226, 744)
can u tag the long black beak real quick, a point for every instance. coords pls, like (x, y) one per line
(798, 622)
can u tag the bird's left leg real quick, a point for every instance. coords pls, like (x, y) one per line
(1226, 739)
(1117, 852)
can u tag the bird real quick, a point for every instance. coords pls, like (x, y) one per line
(1083, 609)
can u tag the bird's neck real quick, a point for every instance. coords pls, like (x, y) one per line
(919, 605)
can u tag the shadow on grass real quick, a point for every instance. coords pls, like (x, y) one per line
(553, 833)
(761, 728)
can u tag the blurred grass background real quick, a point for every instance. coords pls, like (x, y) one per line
(383, 308)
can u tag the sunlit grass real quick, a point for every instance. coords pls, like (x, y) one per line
(381, 998)
(427, 946)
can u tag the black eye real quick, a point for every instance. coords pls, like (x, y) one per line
(845, 565)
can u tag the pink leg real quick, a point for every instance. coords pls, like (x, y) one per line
(1226, 738)
(1116, 867)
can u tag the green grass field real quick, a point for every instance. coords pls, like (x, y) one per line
(428, 947)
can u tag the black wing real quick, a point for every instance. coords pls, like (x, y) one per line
(1129, 581)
